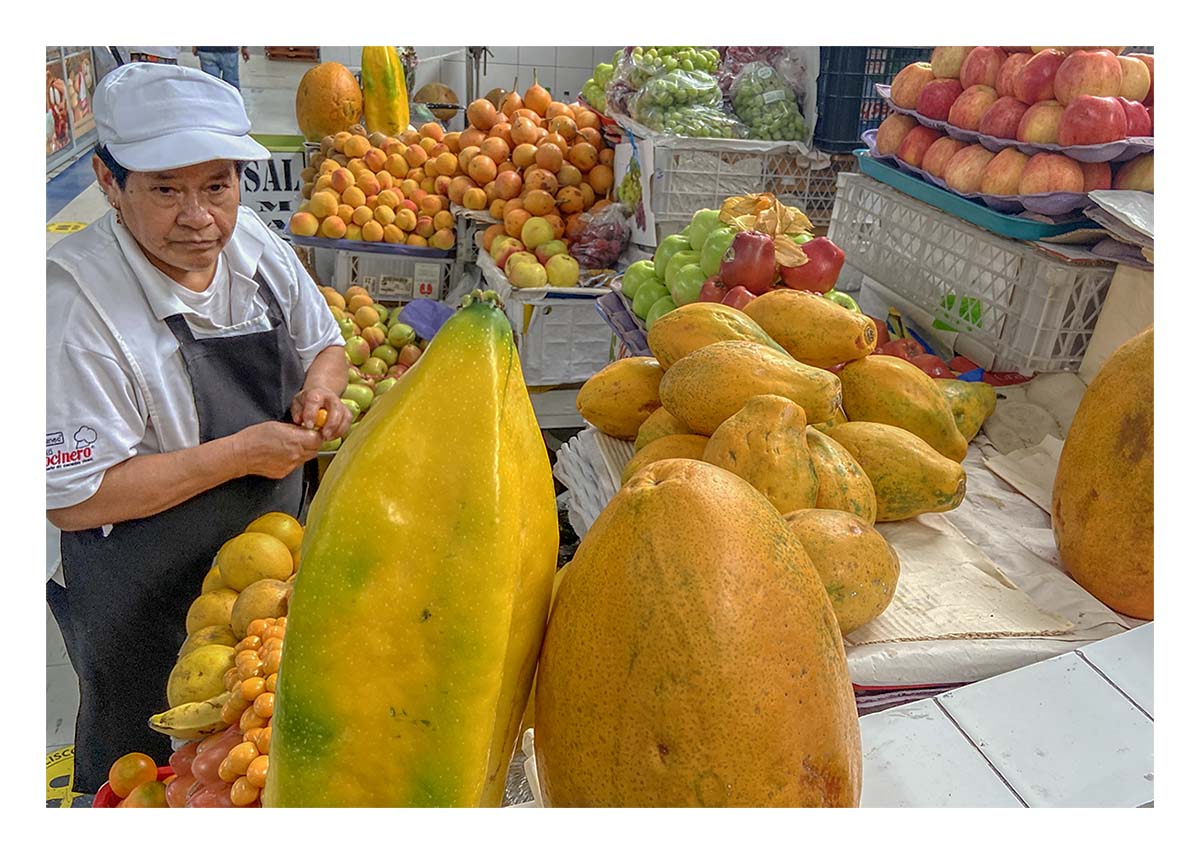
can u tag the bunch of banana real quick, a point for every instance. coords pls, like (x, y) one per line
(190, 721)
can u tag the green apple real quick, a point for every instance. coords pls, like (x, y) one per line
(647, 295)
(384, 384)
(382, 312)
(358, 350)
(331, 445)
(374, 367)
(352, 405)
(361, 394)
(401, 334)
(703, 223)
(387, 353)
(689, 279)
(635, 275)
(661, 306)
(665, 251)
(678, 261)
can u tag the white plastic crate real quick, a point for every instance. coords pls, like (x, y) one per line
(393, 278)
(560, 341)
(1035, 313)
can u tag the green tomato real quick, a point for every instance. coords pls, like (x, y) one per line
(637, 274)
(703, 223)
(677, 262)
(660, 307)
(666, 249)
(688, 281)
(647, 295)
(715, 246)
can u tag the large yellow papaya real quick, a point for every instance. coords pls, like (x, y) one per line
(696, 324)
(858, 567)
(764, 444)
(971, 404)
(675, 446)
(841, 482)
(888, 390)
(385, 96)
(417, 613)
(814, 330)
(660, 423)
(1103, 498)
(839, 417)
(620, 396)
(693, 658)
(910, 477)
(708, 385)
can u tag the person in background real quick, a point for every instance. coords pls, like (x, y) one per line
(158, 55)
(222, 62)
(191, 356)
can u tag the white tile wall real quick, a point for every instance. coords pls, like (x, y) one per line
(539, 56)
(574, 57)
(602, 54)
(568, 82)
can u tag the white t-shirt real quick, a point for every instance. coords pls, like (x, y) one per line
(116, 383)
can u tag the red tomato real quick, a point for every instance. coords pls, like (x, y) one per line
(933, 366)
(181, 759)
(205, 766)
(902, 348)
(177, 791)
(216, 795)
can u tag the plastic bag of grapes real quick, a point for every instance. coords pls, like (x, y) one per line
(604, 237)
(766, 103)
(678, 88)
(695, 121)
(634, 66)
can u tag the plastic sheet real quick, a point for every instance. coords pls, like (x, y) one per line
(605, 236)
(766, 103)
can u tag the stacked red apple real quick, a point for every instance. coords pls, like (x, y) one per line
(1057, 96)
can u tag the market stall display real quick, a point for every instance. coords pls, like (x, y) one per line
(1023, 130)
(743, 413)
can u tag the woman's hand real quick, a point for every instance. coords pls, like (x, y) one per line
(309, 401)
(274, 449)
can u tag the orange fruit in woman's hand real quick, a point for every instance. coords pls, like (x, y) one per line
(129, 772)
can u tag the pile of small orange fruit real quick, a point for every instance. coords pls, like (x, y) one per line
(377, 188)
(532, 156)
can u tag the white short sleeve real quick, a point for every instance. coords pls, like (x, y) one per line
(311, 323)
(93, 421)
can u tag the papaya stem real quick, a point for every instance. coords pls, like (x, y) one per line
(478, 295)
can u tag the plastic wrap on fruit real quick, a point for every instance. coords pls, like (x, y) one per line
(693, 121)
(605, 236)
(766, 103)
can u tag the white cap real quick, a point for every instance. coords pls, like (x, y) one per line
(153, 116)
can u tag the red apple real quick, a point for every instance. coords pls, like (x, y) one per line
(1040, 122)
(1137, 118)
(1003, 118)
(891, 132)
(1137, 174)
(915, 143)
(908, 83)
(1090, 119)
(1088, 72)
(969, 107)
(1008, 72)
(1147, 60)
(937, 98)
(1096, 176)
(947, 61)
(1034, 80)
(1002, 176)
(1135, 78)
(1051, 173)
(981, 66)
(965, 169)
(939, 154)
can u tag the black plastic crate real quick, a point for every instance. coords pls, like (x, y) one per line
(847, 104)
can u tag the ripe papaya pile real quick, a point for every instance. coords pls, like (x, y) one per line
(753, 392)
(693, 607)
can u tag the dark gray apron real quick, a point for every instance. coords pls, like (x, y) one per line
(123, 611)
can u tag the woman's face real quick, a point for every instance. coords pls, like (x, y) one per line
(181, 218)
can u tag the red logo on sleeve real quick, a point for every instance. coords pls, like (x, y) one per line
(61, 455)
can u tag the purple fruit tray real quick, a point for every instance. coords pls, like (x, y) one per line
(1103, 152)
(620, 317)
(1047, 204)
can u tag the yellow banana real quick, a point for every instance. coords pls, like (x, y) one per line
(190, 721)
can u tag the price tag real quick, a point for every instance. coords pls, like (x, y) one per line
(393, 287)
(427, 281)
